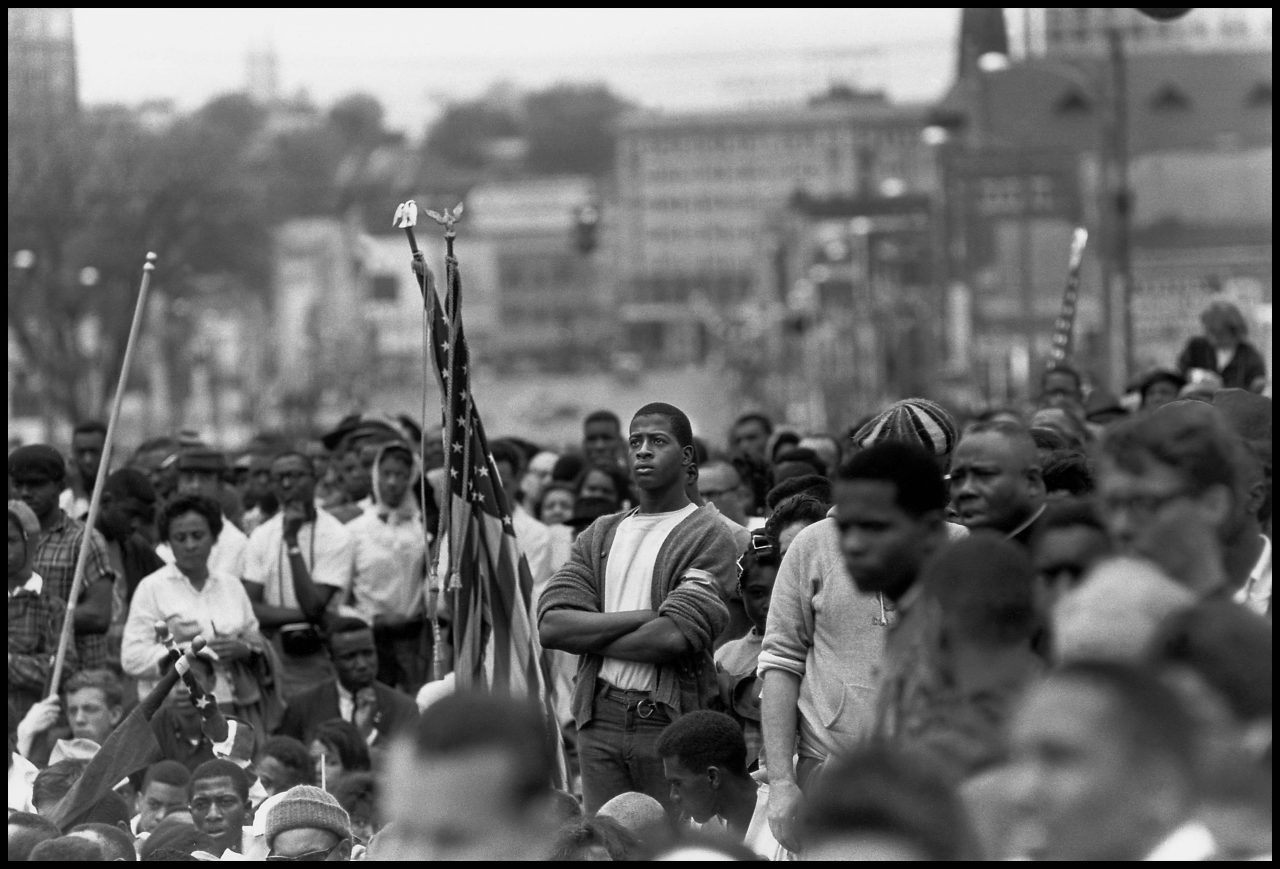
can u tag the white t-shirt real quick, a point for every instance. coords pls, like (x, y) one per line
(628, 584)
(327, 550)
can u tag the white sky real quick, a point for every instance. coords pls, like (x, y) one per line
(413, 59)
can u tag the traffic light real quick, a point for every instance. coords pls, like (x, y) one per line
(586, 225)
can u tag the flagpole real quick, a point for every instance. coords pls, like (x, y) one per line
(406, 218)
(1064, 326)
(95, 501)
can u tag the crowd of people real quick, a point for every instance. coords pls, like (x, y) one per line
(1029, 633)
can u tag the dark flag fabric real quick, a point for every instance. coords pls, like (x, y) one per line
(483, 574)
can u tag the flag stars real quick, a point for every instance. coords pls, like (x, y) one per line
(457, 446)
(482, 471)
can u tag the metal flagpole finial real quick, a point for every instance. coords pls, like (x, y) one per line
(447, 219)
(406, 215)
(1079, 239)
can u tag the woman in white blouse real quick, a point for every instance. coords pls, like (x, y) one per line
(191, 599)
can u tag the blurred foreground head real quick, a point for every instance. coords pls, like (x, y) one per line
(470, 783)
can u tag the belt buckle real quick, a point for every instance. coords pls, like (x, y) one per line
(646, 707)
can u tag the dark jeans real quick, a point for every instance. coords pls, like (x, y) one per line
(618, 749)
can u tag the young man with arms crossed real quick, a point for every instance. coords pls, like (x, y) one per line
(641, 601)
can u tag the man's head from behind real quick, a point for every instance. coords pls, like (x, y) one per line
(26, 830)
(115, 843)
(1104, 755)
(67, 849)
(163, 793)
(983, 585)
(308, 824)
(644, 817)
(353, 652)
(1068, 541)
(995, 477)
(877, 803)
(219, 801)
(469, 783)
(701, 752)
(53, 782)
(890, 500)
(912, 420)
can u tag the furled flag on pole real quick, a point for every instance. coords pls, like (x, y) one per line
(486, 577)
(1064, 326)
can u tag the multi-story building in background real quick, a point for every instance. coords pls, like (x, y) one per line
(43, 89)
(700, 196)
(1163, 153)
(1082, 32)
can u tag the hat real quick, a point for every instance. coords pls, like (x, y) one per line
(309, 807)
(27, 521)
(913, 420)
(37, 460)
(202, 460)
(1102, 406)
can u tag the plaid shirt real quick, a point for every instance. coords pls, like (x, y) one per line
(35, 620)
(55, 560)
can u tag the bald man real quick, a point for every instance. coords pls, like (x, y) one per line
(996, 482)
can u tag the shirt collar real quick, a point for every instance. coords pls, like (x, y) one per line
(1191, 841)
(1257, 588)
(33, 586)
(1012, 535)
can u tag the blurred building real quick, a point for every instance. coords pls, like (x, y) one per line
(861, 318)
(553, 309)
(701, 195)
(42, 70)
(1078, 32)
(1163, 155)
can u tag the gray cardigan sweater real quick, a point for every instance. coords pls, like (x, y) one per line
(695, 568)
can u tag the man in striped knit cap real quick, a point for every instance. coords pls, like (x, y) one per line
(824, 640)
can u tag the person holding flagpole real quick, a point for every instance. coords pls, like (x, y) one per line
(641, 601)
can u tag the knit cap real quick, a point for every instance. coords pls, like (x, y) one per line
(911, 420)
(308, 807)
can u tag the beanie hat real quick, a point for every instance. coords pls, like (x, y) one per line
(26, 519)
(37, 460)
(307, 806)
(911, 420)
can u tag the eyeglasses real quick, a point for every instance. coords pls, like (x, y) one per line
(307, 857)
(226, 802)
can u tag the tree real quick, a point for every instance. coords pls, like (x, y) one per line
(571, 128)
(461, 131)
(102, 193)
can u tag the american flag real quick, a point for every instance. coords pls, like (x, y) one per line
(1064, 325)
(486, 577)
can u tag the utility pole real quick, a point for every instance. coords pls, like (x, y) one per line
(1119, 201)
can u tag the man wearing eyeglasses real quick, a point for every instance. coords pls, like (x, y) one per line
(296, 563)
(308, 825)
(1180, 475)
